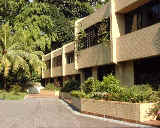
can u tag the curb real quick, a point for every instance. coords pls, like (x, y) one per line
(25, 97)
(74, 111)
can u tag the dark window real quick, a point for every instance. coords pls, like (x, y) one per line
(87, 73)
(147, 71)
(70, 57)
(143, 16)
(94, 34)
(57, 61)
(48, 64)
(105, 70)
(78, 78)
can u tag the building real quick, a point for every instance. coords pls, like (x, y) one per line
(130, 51)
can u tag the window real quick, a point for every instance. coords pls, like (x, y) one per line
(70, 57)
(143, 16)
(57, 61)
(87, 73)
(94, 34)
(48, 64)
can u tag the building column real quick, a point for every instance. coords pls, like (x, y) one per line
(95, 72)
(82, 77)
(125, 73)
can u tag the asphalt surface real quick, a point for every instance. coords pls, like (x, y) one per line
(46, 113)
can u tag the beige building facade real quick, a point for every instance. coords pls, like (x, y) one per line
(130, 53)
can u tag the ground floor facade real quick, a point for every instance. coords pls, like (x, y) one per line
(134, 72)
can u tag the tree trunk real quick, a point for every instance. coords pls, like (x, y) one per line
(5, 83)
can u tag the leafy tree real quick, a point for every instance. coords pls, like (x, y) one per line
(45, 23)
(17, 51)
(9, 9)
(72, 9)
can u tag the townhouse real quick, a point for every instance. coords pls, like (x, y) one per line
(122, 38)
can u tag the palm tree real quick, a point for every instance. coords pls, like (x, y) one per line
(17, 51)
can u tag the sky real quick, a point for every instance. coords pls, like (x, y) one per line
(31, 0)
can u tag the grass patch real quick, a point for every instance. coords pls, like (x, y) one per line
(5, 95)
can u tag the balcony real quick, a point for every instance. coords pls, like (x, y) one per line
(46, 74)
(124, 6)
(56, 69)
(139, 44)
(69, 68)
(94, 56)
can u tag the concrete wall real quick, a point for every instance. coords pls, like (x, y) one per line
(117, 29)
(139, 44)
(68, 69)
(94, 18)
(123, 6)
(56, 71)
(120, 110)
(94, 56)
(87, 54)
(114, 109)
(125, 73)
(46, 73)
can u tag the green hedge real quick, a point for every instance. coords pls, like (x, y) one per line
(70, 85)
(110, 89)
(51, 87)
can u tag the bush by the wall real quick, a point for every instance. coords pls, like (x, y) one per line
(91, 85)
(51, 87)
(78, 93)
(70, 85)
(110, 89)
(15, 88)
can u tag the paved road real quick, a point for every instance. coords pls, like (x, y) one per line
(46, 113)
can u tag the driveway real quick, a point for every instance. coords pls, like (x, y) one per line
(46, 113)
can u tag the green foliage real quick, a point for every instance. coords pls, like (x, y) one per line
(18, 52)
(90, 85)
(70, 85)
(110, 84)
(51, 87)
(136, 94)
(110, 89)
(15, 88)
(9, 9)
(78, 93)
(45, 23)
(5, 95)
(35, 77)
(156, 111)
(72, 9)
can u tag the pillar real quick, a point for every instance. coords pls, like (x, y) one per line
(95, 72)
(82, 76)
(125, 73)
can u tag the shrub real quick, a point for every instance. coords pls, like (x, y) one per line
(110, 89)
(15, 88)
(78, 93)
(51, 87)
(91, 85)
(156, 111)
(110, 84)
(70, 85)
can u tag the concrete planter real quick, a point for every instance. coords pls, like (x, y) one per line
(56, 93)
(137, 112)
